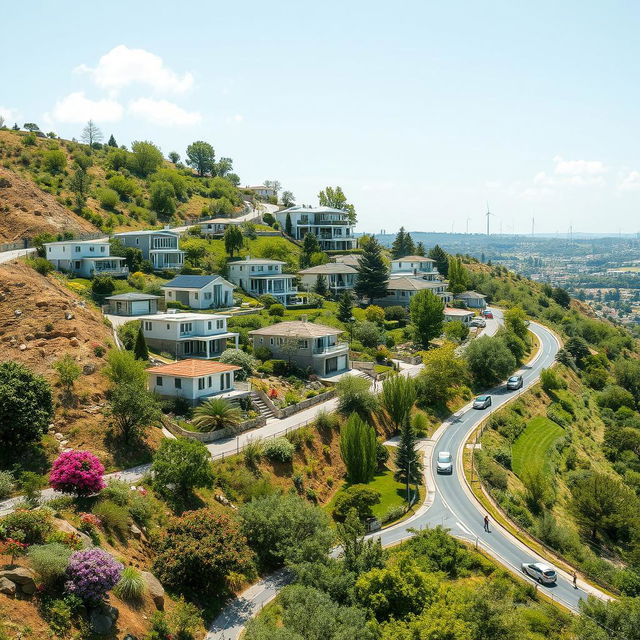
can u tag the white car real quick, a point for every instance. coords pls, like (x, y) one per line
(541, 572)
(444, 463)
(478, 322)
(482, 402)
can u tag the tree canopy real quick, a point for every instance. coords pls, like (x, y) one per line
(427, 316)
(373, 275)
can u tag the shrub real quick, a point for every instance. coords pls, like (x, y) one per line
(280, 367)
(141, 509)
(77, 472)
(241, 359)
(49, 561)
(91, 573)
(326, 421)
(262, 353)
(393, 513)
(117, 491)
(103, 285)
(267, 300)
(31, 527)
(41, 265)
(108, 198)
(131, 585)
(358, 497)
(278, 450)
(252, 452)
(6, 484)
(551, 381)
(114, 518)
(276, 310)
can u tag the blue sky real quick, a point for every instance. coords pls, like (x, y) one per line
(421, 111)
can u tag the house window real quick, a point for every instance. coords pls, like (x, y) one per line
(209, 324)
(158, 381)
(303, 344)
(147, 325)
(185, 327)
(92, 249)
(200, 384)
(170, 293)
(226, 381)
(168, 326)
(137, 240)
(78, 249)
(178, 383)
(207, 295)
(196, 294)
(219, 324)
(209, 382)
(102, 249)
(271, 341)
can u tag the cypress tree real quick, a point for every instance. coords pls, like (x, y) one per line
(408, 461)
(345, 307)
(112, 141)
(321, 286)
(287, 225)
(373, 276)
(309, 247)
(140, 350)
(440, 256)
(409, 246)
(419, 250)
(358, 448)
(397, 398)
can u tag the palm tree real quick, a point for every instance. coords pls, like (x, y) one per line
(215, 414)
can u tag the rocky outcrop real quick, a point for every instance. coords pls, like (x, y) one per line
(155, 589)
(102, 619)
(24, 579)
(7, 587)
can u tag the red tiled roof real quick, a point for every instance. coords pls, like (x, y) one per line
(192, 368)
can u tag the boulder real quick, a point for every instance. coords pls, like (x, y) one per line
(21, 576)
(103, 619)
(135, 531)
(63, 525)
(74, 342)
(155, 589)
(7, 587)
(88, 369)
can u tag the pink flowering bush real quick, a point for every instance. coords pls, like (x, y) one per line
(78, 472)
(91, 573)
(90, 519)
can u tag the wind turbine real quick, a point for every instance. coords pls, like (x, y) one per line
(468, 225)
(488, 214)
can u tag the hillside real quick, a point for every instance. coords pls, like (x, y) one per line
(28, 211)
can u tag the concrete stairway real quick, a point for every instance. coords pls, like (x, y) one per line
(261, 406)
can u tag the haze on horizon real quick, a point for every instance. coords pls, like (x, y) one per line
(423, 112)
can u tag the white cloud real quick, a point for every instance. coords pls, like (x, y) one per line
(163, 112)
(631, 182)
(578, 167)
(122, 67)
(77, 108)
(8, 114)
(235, 119)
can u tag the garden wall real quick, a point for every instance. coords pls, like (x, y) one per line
(212, 436)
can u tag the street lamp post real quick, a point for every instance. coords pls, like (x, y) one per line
(351, 321)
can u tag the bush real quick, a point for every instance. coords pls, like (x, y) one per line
(114, 517)
(278, 450)
(91, 573)
(241, 359)
(77, 472)
(31, 527)
(358, 497)
(107, 198)
(267, 300)
(41, 265)
(117, 491)
(393, 513)
(280, 367)
(49, 561)
(262, 353)
(551, 381)
(6, 484)
(491, 472)
(395, 313)
(130, 586)
(103, 285)
(276, 310)
(141, 509)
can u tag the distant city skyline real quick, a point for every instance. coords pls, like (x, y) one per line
(423, 112)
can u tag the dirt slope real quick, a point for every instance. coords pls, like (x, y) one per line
(26, 211)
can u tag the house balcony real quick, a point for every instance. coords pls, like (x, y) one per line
(340, 347)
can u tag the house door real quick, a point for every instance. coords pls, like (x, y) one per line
(186, 347)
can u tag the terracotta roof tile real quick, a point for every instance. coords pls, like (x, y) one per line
(192, 368)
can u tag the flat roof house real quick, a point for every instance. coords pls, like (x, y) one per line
(132, 304)
(306, 344)
(262, 191)
(416, 266)
(199, 292)
(403, 288)
(339, 276)
(217, 226)
(472, 299)
(193, 380)
(464, 316)
(331, 226)
(161, 248)
(260, 276)
(187, 335)
(86, 258)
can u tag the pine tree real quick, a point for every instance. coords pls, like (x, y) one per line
(140, 350)
(345, 307)
(287, 225)
(112, 141)
(409, 246)
(309, 247)
(408, 461)
(358, 449)
(321, 286)
(442, 260)
(402, 245)
(419, 251)
(373, 275)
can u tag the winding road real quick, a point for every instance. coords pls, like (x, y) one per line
(449, 503)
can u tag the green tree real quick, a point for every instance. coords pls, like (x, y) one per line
(489, 360)
(456, 331)
(288, 225)
(132, 409)
(223, 167)
(402, 245)
(444, 370)
(397, 398)
(145, 158)
(359, 555)
(202, 157)
(140, 350)
(354, 395)
(288, 199)
(55, 161)
(181, 466)
(102, 285)
(515, 320)
(627, 374)
(112, 141)
(561, 297)
(283, 528)
(91, 134)
(123, 368)
(358, 449)
(438, 254)
(163, 198)
(68, 371)
(420, 250)
(408, 459)
(373, 275)
(310, 246)
(345, 307)
(613, 619)
(357, 498)
(335, 198)
(174, 157)
(26, 408)
(321, 286)
(427, 316)
(31, 126)
(458, 275)
(215, 414)
(374, 313)
(233, 240)
(79, 183)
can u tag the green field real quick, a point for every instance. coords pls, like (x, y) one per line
(533, 446)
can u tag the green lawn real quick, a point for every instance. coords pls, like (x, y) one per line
(533, 446)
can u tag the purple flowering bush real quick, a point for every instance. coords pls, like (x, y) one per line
(78, 472)
(91, 573)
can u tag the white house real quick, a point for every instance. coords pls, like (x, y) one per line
(339, 276)
(403, 288)
(416, 266)
(464, 316)
(193, 380)
(132, 304)
(161, 248)
(194, 335)
(217, 226)
(85, 258)
(199, 292)
(262, 191)
(472, 299)
(331, 226)
(259, 276)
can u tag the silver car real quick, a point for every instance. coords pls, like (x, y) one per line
(514, 382)
(482, 402)
(541, 572)
(444, 463)
(478, 322)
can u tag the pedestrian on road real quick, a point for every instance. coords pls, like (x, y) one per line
(575, 580)
(486, 524)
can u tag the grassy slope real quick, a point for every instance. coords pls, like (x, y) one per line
(533, 448)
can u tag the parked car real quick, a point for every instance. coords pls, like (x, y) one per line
(444, 463)
(478, 322)
(487, 313)
(514, 382)
(541, 572)
(482, 402)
